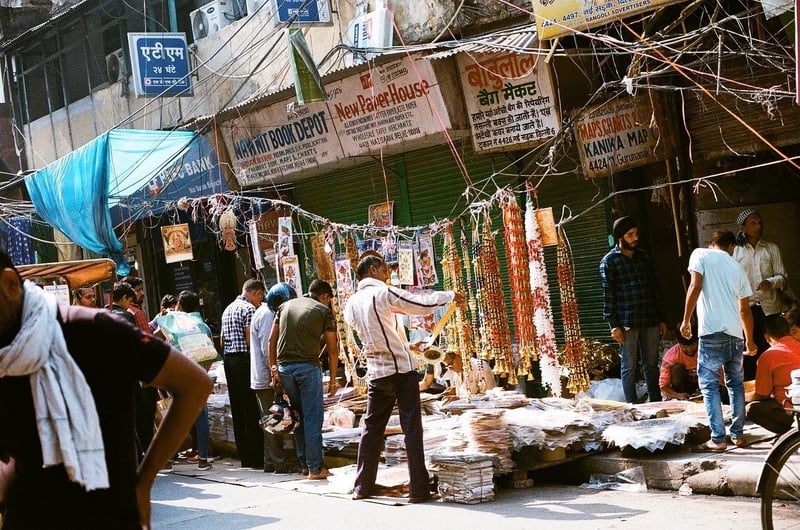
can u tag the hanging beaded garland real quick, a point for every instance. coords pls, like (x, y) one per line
(459, 340)
(573, 350)
(519, 280)
(542, 311)
(474, 329)
(498, 336)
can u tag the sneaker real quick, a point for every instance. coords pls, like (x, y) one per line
(322, 474)
(196, 459)
(203, 465)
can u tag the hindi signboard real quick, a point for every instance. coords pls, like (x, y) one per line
(509, 100)
(561, 17)
(160, 63)
(617, 135)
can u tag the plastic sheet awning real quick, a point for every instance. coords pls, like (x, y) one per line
(74, 193)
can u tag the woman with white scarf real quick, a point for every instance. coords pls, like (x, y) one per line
(67, 451)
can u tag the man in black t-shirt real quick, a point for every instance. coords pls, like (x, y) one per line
(83, 474)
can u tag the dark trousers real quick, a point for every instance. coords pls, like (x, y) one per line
(761, 342)
(275, 458)
(146, 398)
(244, 410)
(769, 414)
(382, 395)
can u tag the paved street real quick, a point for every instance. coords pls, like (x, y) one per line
(233, 499)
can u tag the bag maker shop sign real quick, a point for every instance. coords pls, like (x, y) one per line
(617, 135)
(390, 105)
(509, 101)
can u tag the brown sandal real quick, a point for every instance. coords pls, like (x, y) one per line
(710, 447)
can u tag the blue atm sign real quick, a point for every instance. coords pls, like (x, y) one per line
(160, 64)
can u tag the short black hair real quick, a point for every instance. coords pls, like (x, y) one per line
(168, 300)
(122, 289)
(367, 262)
(7, 263)
(723, 238)
(776, 326)
(320, 287)
(793, 315)
(683, 341)
(253, 285)
(189, 301)
(133, 281)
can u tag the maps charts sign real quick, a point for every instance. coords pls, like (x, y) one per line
(560, 17)
(616, 136)
(509, 101)
(386, 106)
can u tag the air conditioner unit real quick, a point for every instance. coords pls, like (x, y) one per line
(256, 5)
(211, 18)
(116, 68)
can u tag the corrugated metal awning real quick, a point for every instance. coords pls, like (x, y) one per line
(518, 40)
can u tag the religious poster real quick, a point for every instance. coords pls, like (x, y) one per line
(291, 273)
(510, 101)
(617, 135)
(405, 262)
(285, 243)
(547, 226)
(323, 258)
(562, 17)
(177, 243)
(388, 248)
(381, 215)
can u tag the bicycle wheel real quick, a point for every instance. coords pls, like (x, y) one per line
(780, 490)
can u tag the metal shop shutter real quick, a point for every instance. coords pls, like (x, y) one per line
(588, 239)
(715, 133)
(436, 192)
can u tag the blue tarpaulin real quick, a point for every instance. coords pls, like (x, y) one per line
(74, 193)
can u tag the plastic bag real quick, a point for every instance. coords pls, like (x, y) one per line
(187, 335)
(629, 480)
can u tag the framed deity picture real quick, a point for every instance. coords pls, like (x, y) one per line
(177, 243)
(381, 215)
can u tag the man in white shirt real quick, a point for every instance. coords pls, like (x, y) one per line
(720, 291)
(765, 271)
(392, 370)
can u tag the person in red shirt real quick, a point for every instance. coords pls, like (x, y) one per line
(766, 404)
(678, 373)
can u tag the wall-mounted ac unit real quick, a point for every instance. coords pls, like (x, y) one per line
(212, 17)
(256, 5)
(116, 68)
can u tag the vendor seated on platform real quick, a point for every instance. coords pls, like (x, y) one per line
(430, 384)
(766, 404)
(678, 374)
(479, 379)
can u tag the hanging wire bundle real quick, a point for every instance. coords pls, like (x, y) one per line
(573, 347)
(459, 339)
(542, 311)
(493, 305)
(519, 280)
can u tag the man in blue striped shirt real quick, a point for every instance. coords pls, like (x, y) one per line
(633, 307)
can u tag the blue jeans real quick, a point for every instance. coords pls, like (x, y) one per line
(646, 340)
(715, 351)
(302, 383)
(203, 431)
